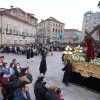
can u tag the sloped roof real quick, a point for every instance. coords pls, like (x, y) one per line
(52, 19)
(17, 8)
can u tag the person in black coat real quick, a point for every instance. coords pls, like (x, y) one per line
(52, 94)
(11, 87)
(62, 57)
(28, 54)
(31, 53)
(43, 66)
(67, 74)
(40, 89)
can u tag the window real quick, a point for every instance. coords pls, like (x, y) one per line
(48, 22)
(8, 41)
(56, 24)
(56, 30)
(94, 22)
(53, 24)
(95, 18)
(53, 29)
(21, 31)
(25, 41)
(15, 29)
(15, 41)
(20, 41)
(22, 14)
(8, 28)
(98, 17)
(88, 14)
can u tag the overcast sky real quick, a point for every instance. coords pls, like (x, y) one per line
(70, 12)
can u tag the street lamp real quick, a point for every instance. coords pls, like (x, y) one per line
(1, 29)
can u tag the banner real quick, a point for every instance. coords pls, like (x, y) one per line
(61, 36)
(77, 37)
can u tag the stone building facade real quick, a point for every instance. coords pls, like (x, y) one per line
(48, 31)
(17, 26)
(70, 36)
(90, 21)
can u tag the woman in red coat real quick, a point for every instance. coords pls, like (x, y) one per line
(4, 82)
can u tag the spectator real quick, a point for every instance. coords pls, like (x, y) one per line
(6, 69)
(4, 81)
(22, 92)
(17, 69)
(1, 60)
(11, 87)
(59, 92)
(52, 94)
(29, 76)
(23, 76)
(11, 68)
(40, 89)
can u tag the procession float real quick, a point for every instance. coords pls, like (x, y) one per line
(85, 65)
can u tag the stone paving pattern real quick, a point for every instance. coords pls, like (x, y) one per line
(54, 74)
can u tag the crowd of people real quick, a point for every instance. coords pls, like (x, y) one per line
(15, 82)
(21, 49)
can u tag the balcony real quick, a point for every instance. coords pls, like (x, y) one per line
(30, 35)
(8, 31)
(16, 32)
(25, 34)
(21, 33)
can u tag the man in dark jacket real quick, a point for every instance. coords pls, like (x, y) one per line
(22, 93)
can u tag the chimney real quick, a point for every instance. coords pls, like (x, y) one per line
(11, 6)
(42, 20)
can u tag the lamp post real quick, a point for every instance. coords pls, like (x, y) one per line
(1, 29)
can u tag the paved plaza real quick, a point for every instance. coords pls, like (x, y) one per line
(54, 74)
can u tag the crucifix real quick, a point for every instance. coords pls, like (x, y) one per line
(89, 35)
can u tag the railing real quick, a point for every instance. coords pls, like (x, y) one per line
(16, 33)
(8, 31)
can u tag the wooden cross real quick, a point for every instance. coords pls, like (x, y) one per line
(89, 35)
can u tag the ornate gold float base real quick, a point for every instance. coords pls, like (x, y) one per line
(86, 69)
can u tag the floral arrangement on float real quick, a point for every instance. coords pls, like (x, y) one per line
(78, 56)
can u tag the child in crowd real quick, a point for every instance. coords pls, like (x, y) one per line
(29, 76)
(59, 92)
(28, 69)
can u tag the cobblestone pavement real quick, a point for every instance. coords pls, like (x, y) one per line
(54, 74)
